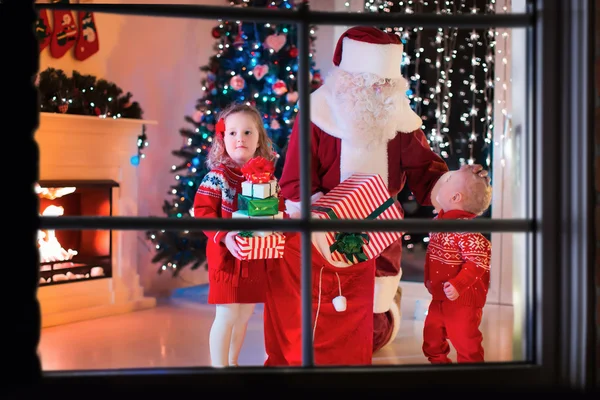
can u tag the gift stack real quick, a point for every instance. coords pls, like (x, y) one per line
(361, 196)
(259, 200)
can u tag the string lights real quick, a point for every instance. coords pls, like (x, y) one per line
(142, 141)
(453, 75)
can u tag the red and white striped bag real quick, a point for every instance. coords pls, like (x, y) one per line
(261, 247)
(361, 196)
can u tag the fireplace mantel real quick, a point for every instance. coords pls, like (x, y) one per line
(76, 147)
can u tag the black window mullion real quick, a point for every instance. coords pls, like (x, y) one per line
(424, 20)
(563, 284)
(415, 225)
(546, 124)
(305, 185)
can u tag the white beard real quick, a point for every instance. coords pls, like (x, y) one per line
(367, 115)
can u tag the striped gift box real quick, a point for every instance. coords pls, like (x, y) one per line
(361, 196)
(261, 248)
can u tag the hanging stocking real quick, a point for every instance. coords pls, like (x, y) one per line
(87, 42)
(42, 29)
(65, 31)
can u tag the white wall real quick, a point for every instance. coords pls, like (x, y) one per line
(158, 60)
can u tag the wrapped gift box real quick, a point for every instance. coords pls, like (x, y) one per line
(258, 207)
(362, 196)
(260, 190)
(244, 214)
(261, 248)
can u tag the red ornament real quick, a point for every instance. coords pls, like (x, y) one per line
(280, 87)
(63, 108)
(293, 52)
(216, 33)
(237, 82)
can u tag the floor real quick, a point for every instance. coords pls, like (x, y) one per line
(175, 334)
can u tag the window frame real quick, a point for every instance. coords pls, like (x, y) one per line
(559, 50)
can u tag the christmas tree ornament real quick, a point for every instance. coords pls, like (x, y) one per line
(293, 51)
(87, 42)
(64, 36)
(275, 124)
(275, 42)
(237, 82)
(292, 97)
(260, 71)
(239, 39)
(42, 29)
(280, 87)
(316, 78)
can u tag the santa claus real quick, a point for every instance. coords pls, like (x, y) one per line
(361, 122)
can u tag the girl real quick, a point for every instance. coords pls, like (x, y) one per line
(235, 286)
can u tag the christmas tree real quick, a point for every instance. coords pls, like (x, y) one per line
(255, 63)
(451, 86)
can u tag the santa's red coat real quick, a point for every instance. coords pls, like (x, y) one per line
(409, 160)
(340, 338)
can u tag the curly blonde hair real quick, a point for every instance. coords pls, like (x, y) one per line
(218, 154)
(478, 195)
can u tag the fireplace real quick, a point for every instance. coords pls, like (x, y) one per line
(85, 170)
(70, 255)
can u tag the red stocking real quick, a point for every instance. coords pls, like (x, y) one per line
(87, 43)
(42, 29)
(65, 32)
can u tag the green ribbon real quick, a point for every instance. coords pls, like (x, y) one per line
(351, 244)
(246, 234)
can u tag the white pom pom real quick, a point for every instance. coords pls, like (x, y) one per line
(339, 303)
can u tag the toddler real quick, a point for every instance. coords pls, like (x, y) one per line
(457, 271)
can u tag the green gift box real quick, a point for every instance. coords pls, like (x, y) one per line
(258, 207)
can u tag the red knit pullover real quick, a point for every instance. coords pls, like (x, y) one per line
(216, 197)
(461, 258)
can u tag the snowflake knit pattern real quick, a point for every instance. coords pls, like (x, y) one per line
(460, 258)
(219, 188)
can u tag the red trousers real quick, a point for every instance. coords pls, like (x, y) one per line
(458, 323)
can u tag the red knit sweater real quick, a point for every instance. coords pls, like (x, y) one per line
(216, 196)
(461, 258)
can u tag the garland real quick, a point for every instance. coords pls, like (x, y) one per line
(87, 95)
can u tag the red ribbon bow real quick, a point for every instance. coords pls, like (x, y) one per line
(220, 128)
(258, 170)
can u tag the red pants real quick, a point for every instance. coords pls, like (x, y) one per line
(449, 320)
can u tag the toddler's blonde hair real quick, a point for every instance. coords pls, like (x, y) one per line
(478, 196)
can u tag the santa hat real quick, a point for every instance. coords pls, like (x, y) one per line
(369, 49)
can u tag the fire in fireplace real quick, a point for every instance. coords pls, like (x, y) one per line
(75, 255)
